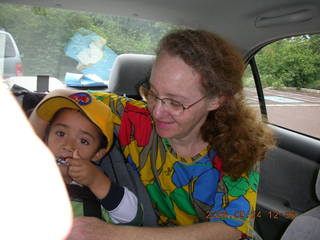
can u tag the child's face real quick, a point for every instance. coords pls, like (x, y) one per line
(72, 131)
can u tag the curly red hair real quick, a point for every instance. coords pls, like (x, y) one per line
(233, 130)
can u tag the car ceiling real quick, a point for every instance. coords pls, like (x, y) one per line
(235, 20)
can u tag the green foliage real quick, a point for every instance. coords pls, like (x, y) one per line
(248, 80)
(292, 62)
(314, 85)
(41, 35)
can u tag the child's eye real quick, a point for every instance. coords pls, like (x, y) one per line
(84, 141)
(60, 133)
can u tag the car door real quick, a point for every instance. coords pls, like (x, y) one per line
(282, 83)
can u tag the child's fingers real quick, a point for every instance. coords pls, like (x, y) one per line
(79, 166)
(75, 171)
(75, 162)
(73, 174)
(76, 154)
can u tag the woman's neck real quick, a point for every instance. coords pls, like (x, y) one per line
(188, 148)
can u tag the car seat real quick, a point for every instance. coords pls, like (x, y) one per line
(128, 71)
(278, 204)
(114, 164)
(307, 225)
(118, 169)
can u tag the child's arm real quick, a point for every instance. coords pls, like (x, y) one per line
(121, 204)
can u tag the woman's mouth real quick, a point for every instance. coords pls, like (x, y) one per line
(162, 124)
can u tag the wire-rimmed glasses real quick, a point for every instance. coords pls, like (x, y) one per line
(174, 107)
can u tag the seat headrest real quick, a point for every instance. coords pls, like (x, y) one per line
(318, 186)
(128, 71)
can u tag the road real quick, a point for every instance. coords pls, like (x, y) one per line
(297, 110)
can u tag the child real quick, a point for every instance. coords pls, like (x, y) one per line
(79, 134)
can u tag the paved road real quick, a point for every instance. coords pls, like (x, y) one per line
(295, 110)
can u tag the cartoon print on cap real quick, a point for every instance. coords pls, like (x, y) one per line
(81, 98)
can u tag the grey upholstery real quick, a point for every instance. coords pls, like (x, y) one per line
(274, 194)
(121, 172)
(307, 225)
(129, 70)
(318, 186)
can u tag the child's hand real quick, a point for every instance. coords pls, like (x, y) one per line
(84, 172)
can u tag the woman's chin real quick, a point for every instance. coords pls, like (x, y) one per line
(165, 130)
(164, 133)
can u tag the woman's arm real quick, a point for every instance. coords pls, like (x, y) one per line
(85, 228)
(39, 125)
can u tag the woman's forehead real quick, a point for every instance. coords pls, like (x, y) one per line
(172, 75)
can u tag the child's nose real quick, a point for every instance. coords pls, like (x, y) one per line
(69, 145)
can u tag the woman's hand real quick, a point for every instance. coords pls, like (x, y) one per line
(89, 228)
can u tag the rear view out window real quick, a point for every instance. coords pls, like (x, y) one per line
(64, 43)
(289, 70)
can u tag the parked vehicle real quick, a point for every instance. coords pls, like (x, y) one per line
(10, 58)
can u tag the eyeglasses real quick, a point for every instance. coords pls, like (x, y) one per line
(174, 107)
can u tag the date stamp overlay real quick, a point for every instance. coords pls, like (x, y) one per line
(272, 215)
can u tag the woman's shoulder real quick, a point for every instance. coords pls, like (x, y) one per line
(114, 99)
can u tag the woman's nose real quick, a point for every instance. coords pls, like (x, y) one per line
(158, 109)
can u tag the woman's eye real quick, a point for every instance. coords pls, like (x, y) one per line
(84, 141)
(60, 133)
(174, 103)
(151, 96)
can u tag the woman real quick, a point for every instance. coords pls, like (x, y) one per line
(196, 145)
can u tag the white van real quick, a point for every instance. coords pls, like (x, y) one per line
(10, 58)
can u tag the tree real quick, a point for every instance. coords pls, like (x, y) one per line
(292, 62)
(42, 34)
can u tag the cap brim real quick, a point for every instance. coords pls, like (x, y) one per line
(49, 107)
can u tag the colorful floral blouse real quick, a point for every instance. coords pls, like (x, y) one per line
(183, 190)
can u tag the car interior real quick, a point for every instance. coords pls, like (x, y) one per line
(288, 204)
(128, 71)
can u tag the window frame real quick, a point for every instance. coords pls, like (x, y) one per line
(251, 61)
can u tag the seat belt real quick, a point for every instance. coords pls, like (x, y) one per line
(42, 83)
(91, 205)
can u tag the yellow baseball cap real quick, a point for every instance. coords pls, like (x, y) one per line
(97, 112)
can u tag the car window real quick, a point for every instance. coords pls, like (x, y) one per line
(66, 44)
(289, 73)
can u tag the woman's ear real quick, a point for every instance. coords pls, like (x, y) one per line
(215, 103)
(101, 152)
